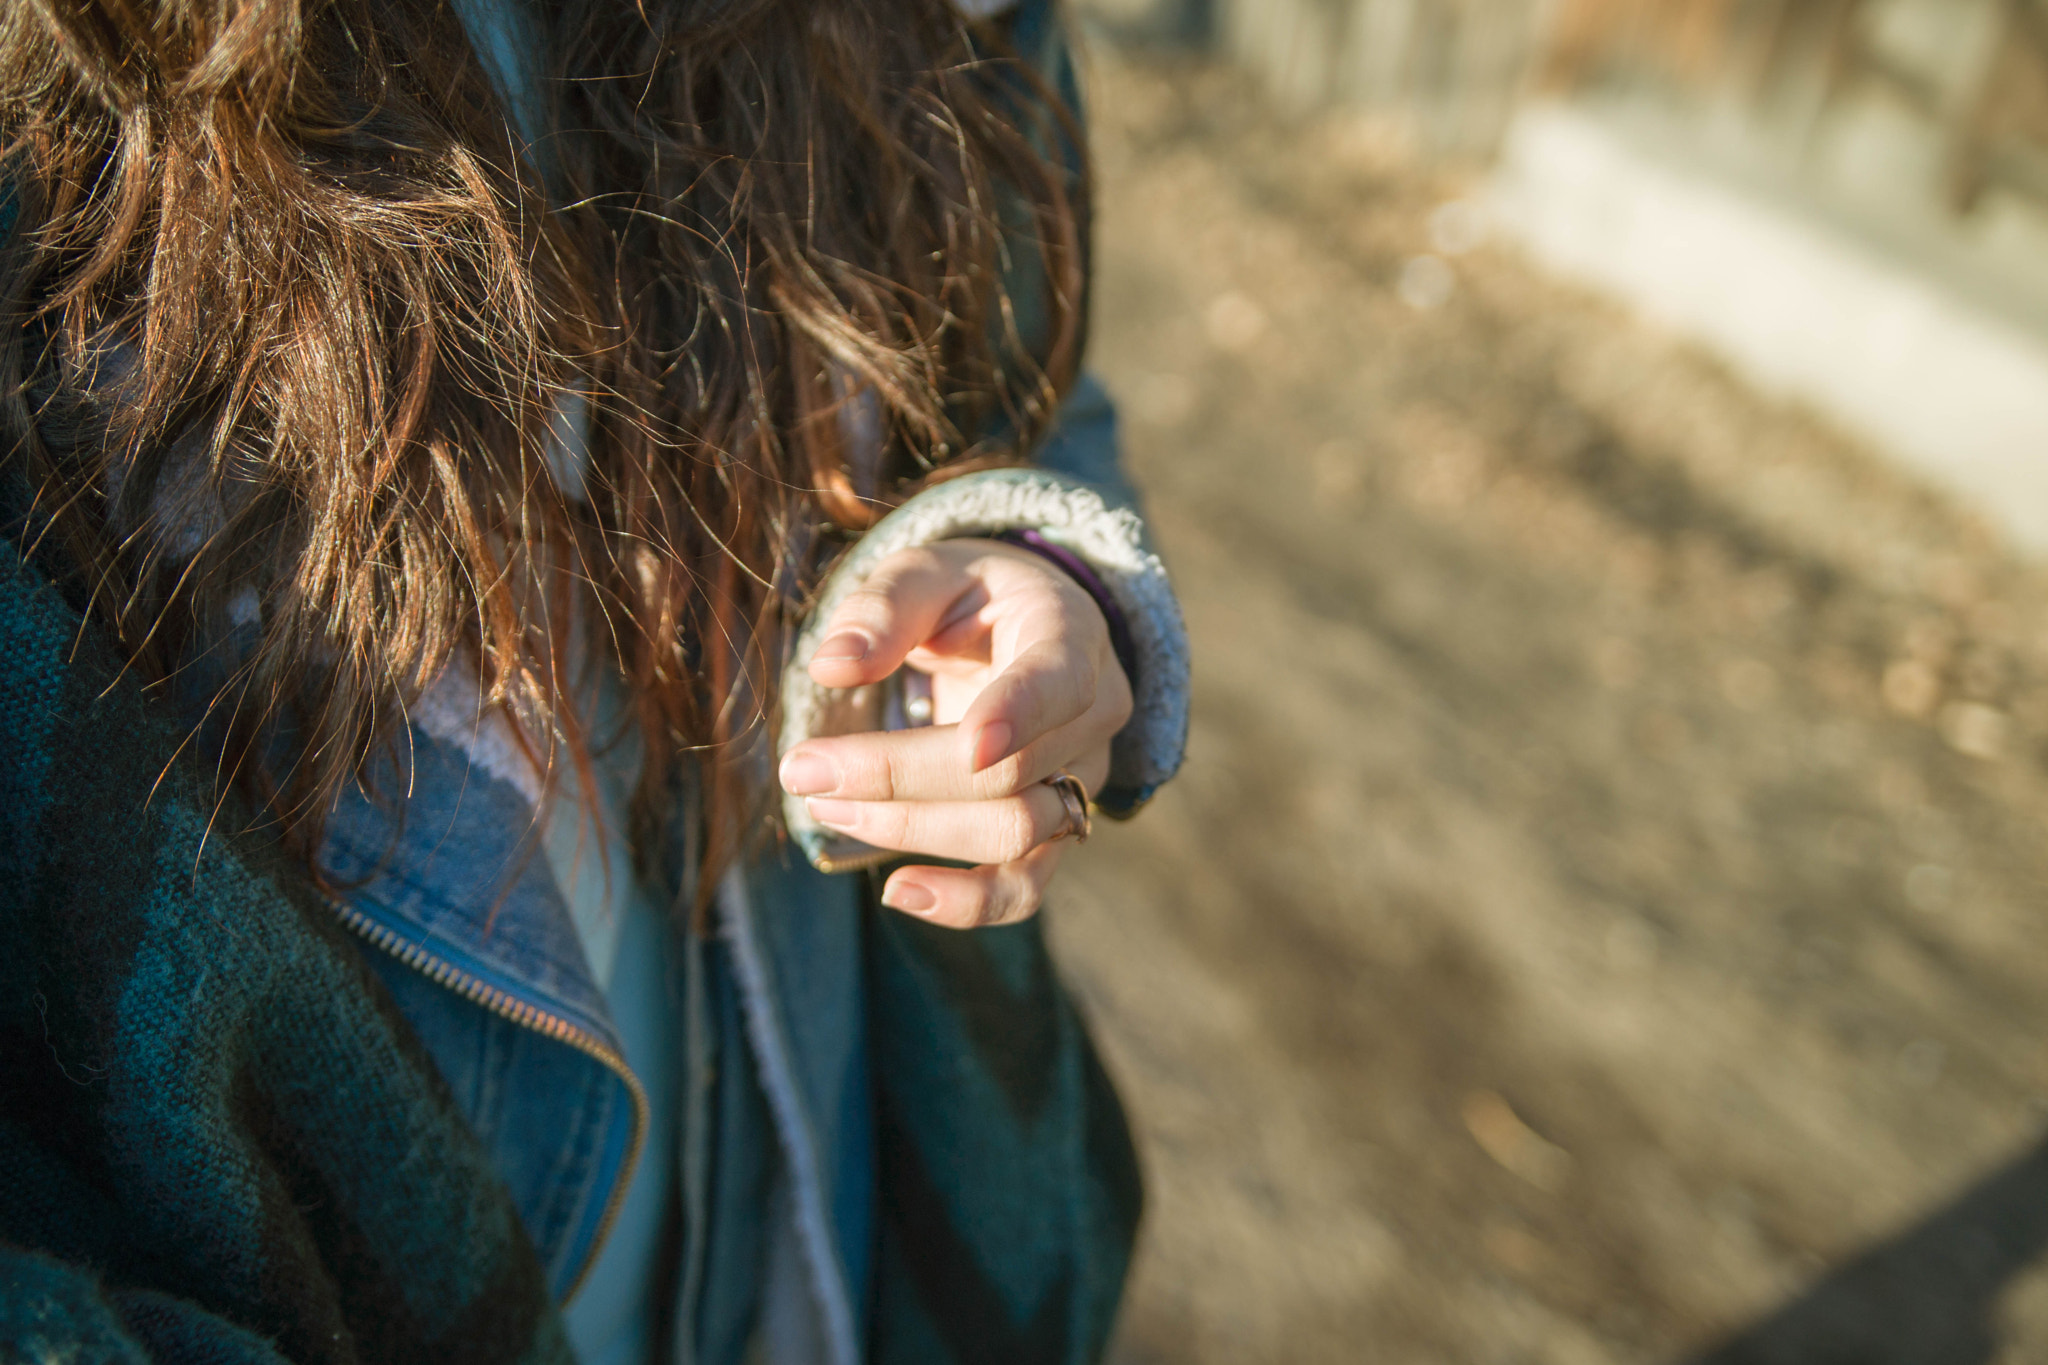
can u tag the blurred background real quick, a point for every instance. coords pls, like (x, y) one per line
(1602, 446)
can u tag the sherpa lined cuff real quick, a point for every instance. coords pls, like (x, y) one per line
(1109, 540)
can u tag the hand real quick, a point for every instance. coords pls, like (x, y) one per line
(1024, 682)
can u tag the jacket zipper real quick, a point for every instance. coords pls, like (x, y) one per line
(507, 1006)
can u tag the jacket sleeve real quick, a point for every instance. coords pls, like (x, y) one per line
(1085, 446)
(1080, 518)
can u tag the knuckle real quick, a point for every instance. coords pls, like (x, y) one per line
(1125, 705)
(979, 905)
(1007, 778)
(1016, 830)
(892, 775)
(1020, 898)
(1088, 670)
(1087, 676)
(1069, 606)
(1081, 612)
(859, 770)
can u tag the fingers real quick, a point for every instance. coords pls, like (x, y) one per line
(972, 791)
(903, 603)
(1061, 668)
(926, 764)
(960, 599)
(971, 831)
(978, 897)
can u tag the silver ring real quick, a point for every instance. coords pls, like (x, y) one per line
(1074, 800)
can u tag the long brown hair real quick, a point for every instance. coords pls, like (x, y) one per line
(292, 315)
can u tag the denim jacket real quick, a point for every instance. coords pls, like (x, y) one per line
(772, 1127)
(224, 1142)
(905, 1125)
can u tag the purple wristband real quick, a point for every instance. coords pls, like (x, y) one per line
(1077, 569)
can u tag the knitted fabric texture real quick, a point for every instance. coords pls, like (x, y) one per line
(220, 1142)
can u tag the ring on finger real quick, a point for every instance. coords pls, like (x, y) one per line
(1074, 800)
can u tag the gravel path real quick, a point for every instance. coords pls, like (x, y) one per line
(1600, 917)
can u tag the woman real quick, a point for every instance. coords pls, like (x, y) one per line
(444, 444)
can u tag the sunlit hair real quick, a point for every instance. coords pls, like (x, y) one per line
(291, 316)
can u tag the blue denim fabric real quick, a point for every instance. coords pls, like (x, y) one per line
(448, 856)
(460, 879)
(771, 1082)
(556, 1123)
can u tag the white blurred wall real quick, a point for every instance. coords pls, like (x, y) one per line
(1878, 342)
(1800, 213)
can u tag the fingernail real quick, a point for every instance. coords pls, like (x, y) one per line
(844, 648)
(992, 745)
(834, 814)
(807, 774)
(909, 897)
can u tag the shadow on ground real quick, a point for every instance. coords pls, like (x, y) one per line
(1926, 1297)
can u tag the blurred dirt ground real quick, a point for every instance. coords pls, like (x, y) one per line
(1600, 917)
